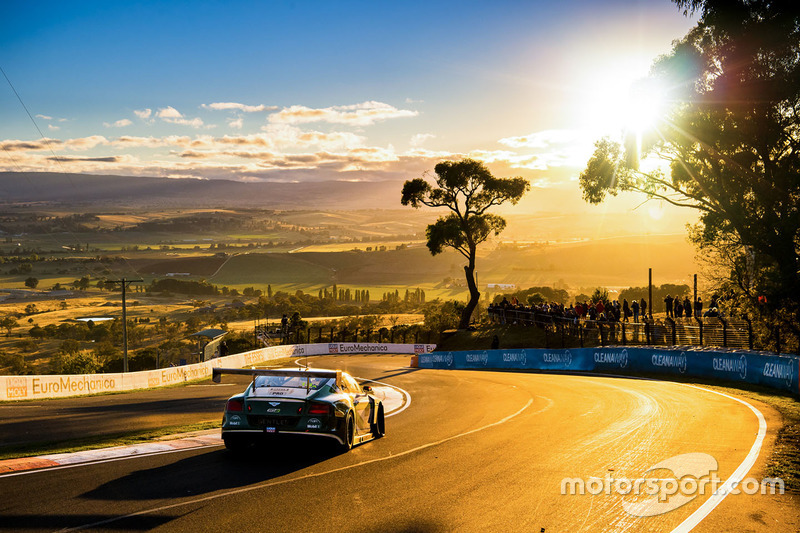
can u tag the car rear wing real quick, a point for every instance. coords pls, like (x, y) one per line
(216, 373)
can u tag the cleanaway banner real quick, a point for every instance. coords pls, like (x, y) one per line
(61, 386)
(780, 372)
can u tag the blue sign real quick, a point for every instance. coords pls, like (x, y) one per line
(779, 372)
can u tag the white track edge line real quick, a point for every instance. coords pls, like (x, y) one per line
(711, 503)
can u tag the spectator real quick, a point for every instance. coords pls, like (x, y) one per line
(678, 308)
(698, 307)
(643, 307)
(626, 310)
(668, 305)
(687, 307)
(635, 309)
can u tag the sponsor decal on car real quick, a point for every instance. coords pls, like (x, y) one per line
(273, 410)
(314, 423)
(235, 420)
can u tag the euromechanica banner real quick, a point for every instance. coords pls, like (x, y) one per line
(61, 386)
(775, 371)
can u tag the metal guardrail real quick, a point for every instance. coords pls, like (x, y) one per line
(708, 331)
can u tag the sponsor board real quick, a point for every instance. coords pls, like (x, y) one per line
(731, 365)
(611, 357)
(670, 360)
(59, 386)
(477, 358)
(562, 359)
(782, 369)
(520, 357)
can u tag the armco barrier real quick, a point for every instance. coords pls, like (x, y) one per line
(775, 371)
(61, 386)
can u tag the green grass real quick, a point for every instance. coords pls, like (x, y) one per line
(102, 441)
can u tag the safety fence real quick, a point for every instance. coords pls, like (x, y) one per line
(61, 386)
(779, 372)
(319, 334)
(707, 331)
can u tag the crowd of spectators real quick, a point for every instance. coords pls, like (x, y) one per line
(603, 310)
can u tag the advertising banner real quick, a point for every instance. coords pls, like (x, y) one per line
(62, 386)
(778, 372)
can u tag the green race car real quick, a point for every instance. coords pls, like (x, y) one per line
(318, 403)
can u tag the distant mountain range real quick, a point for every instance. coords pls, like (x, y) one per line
(54, 187)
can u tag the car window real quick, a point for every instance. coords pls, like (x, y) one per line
(351, 384)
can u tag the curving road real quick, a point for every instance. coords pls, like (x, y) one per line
(475, 451)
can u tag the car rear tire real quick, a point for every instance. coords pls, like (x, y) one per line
(378, 429)
(349, 434)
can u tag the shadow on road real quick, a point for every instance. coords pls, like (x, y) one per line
(217, 470)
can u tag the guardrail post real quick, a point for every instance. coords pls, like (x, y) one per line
(624, 338)
(602, 335)
(546, 340)
(674, 333)
(563, 340)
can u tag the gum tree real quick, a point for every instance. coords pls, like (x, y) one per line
(468, 190)
(731, 139)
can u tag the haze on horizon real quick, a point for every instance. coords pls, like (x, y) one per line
(318, 91)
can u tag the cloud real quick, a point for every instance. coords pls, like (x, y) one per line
(235, 123)
(44, 117)
(420, 138)
(143, 114)
(169, 112)
(222, 106)
(121, 123)
(363, 114)
(53, 128)
(86, 143)
(71, 159)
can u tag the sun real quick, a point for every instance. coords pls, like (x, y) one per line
(645, 107)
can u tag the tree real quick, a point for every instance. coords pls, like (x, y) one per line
(8, 323)
(732, 140)
(31, 282)
(468, 190)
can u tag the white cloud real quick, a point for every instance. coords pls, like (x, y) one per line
(169, 112)
(121, 123)
(143, 114)
(235, 123)
(363, 114)
(420, 138)
(222, 106)
(53, 128)
(44, 117)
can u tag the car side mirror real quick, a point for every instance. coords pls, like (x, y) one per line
(366, 388)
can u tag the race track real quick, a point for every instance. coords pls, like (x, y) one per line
(474, 451)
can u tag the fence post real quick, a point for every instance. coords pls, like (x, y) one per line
(580, 332)
(602, 335)
(724, 333)
(749, 332)
(647, 332)
(777, 340)
(546, 340)
(624, 338)
(674, 333)
(563, 341)
(700, 325)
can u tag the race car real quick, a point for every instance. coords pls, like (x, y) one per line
(312, 402)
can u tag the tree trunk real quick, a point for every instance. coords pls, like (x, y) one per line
(474, 295)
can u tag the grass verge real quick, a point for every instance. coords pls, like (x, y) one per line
(102, 441)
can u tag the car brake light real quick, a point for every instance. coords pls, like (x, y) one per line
(234, 405)
(316, 408)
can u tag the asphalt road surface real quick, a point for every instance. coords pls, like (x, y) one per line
(474, 451)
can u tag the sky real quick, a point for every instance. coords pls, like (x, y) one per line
(307, 91)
